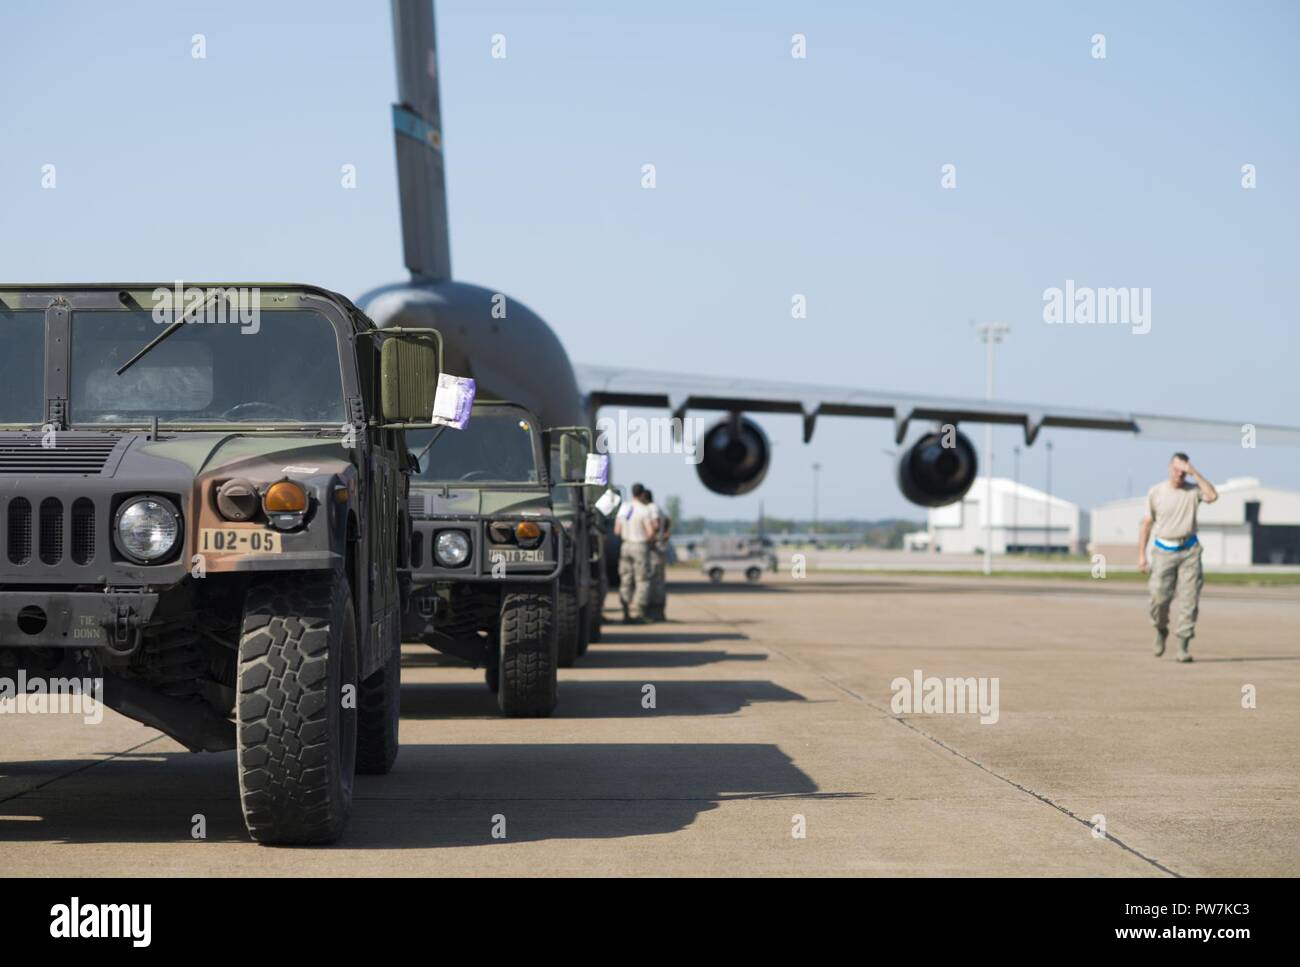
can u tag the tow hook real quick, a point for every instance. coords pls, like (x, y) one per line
(125, 630)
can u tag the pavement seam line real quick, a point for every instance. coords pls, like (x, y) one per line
(1063, 810)
(81, 768)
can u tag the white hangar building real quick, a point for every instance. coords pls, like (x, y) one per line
(1024, 520)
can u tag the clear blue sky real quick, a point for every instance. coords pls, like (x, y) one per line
(775, 176)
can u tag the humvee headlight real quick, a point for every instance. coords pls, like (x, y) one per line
(285, 497)
(451, 548)
(528, 533)
(285, 504)
(147, 529)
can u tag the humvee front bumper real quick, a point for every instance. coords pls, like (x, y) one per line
(425, 568)
(74, 619)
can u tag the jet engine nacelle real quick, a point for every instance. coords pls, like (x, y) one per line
(937, 469)
(734, 457)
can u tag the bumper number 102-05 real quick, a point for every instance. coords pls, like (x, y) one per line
(218, 540)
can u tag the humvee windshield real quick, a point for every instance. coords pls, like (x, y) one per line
(22, 367)
(287, 371)
(498, 446)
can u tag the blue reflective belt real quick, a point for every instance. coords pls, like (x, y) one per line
(1190, 542)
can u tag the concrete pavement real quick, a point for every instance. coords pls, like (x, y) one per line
(771, 714)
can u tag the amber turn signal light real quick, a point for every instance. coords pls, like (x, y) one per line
(527, 530)
(285, 497)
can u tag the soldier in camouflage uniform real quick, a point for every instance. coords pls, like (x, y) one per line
(1176, 576)
(658, 599)
(636, 527)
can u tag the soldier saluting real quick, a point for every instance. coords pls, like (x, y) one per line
(1175, 564)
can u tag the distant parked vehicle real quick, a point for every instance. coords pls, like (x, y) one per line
(749, 556)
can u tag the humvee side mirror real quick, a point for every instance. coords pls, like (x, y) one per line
(410, 362)
(574, 445)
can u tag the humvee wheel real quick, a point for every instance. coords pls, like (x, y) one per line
(529, 653)
(567, 627)
(297, 742)
(584, 627)
(379, 700)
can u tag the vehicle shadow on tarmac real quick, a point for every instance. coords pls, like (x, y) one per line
(437, 796)
(568, 791)
(135, 797)
(604, 657)
(655, 636)
(597, 700)
(721, 587)
(1213, 661)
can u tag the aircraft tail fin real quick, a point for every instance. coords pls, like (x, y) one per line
(417, 132)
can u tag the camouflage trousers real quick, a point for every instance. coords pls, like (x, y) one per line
(634, 575)
(658, 599)
(1176, 580)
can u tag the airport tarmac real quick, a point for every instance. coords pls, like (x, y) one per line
(771, 716)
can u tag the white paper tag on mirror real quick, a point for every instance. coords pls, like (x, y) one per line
(453, 401)
(608, 502)
(597, 469)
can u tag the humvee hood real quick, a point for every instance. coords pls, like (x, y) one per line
(252, 454)
(481, 501)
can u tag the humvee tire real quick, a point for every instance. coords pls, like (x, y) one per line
(296, 742)
(567, 626)
(379, 700)
(526, 670)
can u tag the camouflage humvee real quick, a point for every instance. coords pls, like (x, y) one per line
(202, 515)
(491, 555)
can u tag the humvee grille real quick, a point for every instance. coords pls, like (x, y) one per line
(57, 533)
(51, 530)
(83, 530)
(415, 506)
(71, 453)
(20, 531)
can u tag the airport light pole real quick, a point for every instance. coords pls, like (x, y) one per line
(991, 333)
(1015, 498)
(816, 469)
(1047, 536)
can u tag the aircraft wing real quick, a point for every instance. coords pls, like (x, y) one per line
(679, 392)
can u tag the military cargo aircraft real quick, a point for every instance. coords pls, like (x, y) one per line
(936, 467)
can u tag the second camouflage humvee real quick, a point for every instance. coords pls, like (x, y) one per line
(203, 523)
(493, 557)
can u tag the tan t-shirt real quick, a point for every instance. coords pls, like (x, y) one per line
(636, 516)
(1173, 510)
